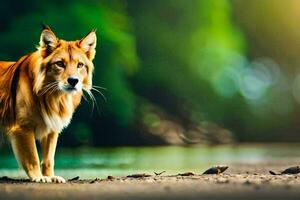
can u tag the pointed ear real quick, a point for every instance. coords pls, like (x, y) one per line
(88, 44)
(48, 40)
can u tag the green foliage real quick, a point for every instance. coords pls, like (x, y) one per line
(187, 57)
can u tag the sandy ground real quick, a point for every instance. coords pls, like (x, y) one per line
(240, 181)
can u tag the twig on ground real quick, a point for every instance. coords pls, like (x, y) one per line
(74, 179)
(138, 175)
(95, 180)
(186, 174)
(159, 173)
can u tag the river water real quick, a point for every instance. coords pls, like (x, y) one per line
(121, 161)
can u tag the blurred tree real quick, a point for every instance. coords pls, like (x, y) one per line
(273, 44)
(187, 51)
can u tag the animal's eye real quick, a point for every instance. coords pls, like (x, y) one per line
(60, 64)
(80, 65)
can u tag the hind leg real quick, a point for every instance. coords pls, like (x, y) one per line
(48, 144)
(24, 147)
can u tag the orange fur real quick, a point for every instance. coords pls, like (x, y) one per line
(37, 99)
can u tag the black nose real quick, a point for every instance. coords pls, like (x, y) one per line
(72, 81)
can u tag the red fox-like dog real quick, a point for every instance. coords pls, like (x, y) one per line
(38, 96)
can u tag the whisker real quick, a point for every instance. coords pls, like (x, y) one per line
(92, 99)
(53, 89)
(99, 87)
(47, 88)
(102, 95)
(97, 107)
(93, 104)
(84, 97)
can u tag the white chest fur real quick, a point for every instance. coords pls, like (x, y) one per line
(54, 121)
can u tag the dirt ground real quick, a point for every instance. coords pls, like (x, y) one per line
(240, 181)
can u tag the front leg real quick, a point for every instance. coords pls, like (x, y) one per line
(48, 144)
(24, 147)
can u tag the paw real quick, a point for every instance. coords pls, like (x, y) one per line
(57, 179)
(41, 179)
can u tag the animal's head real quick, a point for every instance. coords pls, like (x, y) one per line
(65, 66)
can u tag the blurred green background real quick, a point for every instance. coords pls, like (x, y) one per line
(175, 72)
